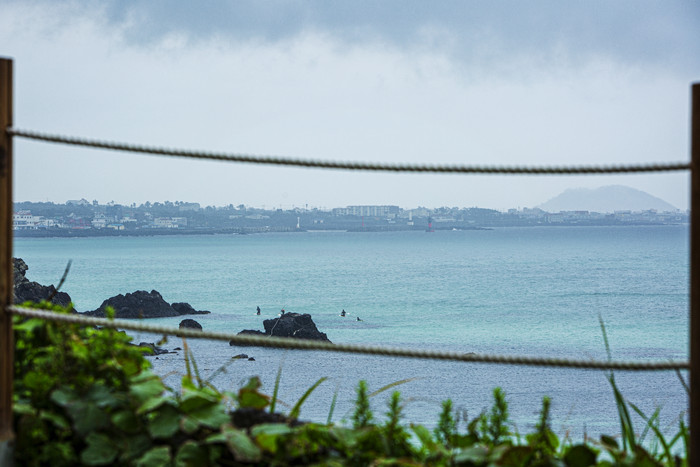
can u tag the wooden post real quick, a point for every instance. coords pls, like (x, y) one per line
(7, 345)
(694, 455)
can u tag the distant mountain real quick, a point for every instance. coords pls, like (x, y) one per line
(605, 199)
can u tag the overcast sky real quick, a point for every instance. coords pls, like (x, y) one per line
(455, 82)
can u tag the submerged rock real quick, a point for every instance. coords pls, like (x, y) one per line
(142, 305)
(189, 324)
(184, 308)
(155, 350)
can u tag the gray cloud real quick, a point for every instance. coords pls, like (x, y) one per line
(628, 31)
(484, 83)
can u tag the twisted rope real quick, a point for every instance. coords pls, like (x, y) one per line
(365, 166)
(301, 344)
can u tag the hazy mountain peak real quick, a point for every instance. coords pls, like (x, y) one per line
(605, 199)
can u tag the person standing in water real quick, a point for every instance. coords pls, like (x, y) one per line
(258, 313)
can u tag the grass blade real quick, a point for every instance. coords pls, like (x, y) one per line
(685, 385)
(625, 419)
(187, 358)
(653, 426)
(297, 407)
(273, 402)
(392, 385)
(332, 409)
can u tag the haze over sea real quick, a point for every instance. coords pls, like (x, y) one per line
(531, 291)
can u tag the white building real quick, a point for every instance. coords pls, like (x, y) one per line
(369, 211)
(24, 220)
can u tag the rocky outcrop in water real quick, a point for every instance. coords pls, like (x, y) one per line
(29, 291)
(295, 325)
(143, 305)
(155, 350)
(189, 323)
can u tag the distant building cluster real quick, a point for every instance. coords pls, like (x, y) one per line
(172, 216)
(368, 211)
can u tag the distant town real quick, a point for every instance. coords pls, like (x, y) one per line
(90, 218)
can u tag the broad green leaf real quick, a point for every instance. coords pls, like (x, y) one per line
(642, 458)
(609, 442)
(23, 408)
(134, 446)
(156, 457)
(216, 438)
(267, 434)
(147, 389)
(241, 446)
(216, 451)
(28, 326)
(212, 416)
(164, 423)
(475, 454)
(347, 436)
(38, 382)
(252, 399)
(64, 396)
(54, 418)
(154, 403)
(580, 456)
(194, 400)
(99, 451)
(191, 454)
(464, 441)
(514, 455)
(271, 429)
(188, 424)
(101, 396)
(87, 417)
(187, 384)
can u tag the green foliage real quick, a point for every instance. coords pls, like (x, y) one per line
(494, 427)
(363, 414)
(85, 396)
(447, 426)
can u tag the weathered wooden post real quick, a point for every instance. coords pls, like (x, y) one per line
(7, 345)
(694, 455)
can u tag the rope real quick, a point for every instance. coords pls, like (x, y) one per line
(301, 344)
(366, 166)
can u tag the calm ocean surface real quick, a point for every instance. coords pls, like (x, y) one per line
(531, 291)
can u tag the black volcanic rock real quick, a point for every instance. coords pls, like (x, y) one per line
(29, 291)
(298, 326)
(142, 305)
(183, 308)
(155, 350)
(189, 323)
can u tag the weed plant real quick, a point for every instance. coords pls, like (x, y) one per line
(86, 396)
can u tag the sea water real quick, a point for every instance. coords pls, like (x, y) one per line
(537, 291)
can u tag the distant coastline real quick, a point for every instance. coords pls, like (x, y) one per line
(89, 233)
(80, 218)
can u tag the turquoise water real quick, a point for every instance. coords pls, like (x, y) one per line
(532, 291)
